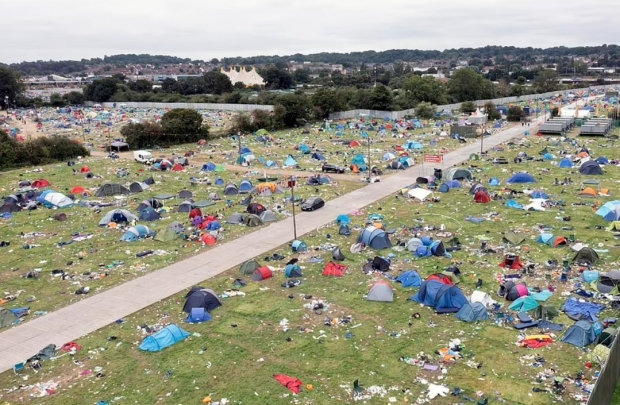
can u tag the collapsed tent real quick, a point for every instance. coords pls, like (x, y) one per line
(199, 297)
(332, 269)
(443, 297)
(109, 190)
(166, 337)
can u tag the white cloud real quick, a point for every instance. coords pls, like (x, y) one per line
(68, 29)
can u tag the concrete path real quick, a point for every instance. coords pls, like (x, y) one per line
(97, 311)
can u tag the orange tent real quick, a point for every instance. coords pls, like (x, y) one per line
(208, 239)
(265, 186)
(583, 154)
(588, 192)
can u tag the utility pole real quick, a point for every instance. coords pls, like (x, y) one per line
(369, 170)
(291, 184)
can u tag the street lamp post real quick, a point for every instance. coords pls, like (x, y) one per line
(369, 169)
(291, 184)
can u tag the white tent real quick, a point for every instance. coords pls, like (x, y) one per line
(483, 298)
(536, 205)
(419, 193)
(58, 200)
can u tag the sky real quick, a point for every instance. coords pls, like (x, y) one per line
(199, 29)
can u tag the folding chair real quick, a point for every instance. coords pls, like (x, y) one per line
(18, 368)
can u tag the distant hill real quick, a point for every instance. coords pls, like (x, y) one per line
(352, 58)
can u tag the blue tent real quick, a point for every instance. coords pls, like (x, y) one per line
(137, 232)
(473, 312)
(358, 160)
(290, 161)
(166, 337)
(444, 188)
(214, 226)
(547, 156)
(454, 184)
(607, 208)
(293, 270)
(318, 156)
(245, 186)
(522, 178)
(613, 215)
(343, 219)
(602, 160)
(375, 238)
(271, 163)
(443, 297)
(580, 334)
(524, 304)
(409, 278)
(245, 150)
(219, 181)
(198, 315)
(544, 237)
(579, 310)
(149, 214)
(413, 145)
(299, 246)
(591, 168)
(565, 163)
(494, 181)
(305, 149)
(513, 204)
(539, 194)
(208, 167)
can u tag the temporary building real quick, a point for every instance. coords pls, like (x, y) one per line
(512, 291)
(200, 297)
(299, 246)
(305, 149)
(409, 278)
(580, 334)
(607, 207)
(137, 232)
(248, 268)
(521, 178)
(495, 182)
(293, 270)
(482, 197)
(166, 235)
(609, 282)
(539, 194)
(586, 255)
(208, 239)
(268, 216)
(244, 187)
(149, 214)
(332, 269)
(186, 206)
(109, 189)
(395, 166)
(375, 238)
(318, 156)
(208, 167)
(591, 168)
(231, 189)
(565, 163)
(474, 312)
(588, 192)
(413, 244)
(195, 213)
(117, 216)
(420, 194)
(443, 297)
(138, 187)
(343, 219)
(262, 273)
(514, 238)
(524, 304)
(152, 202)
(388, 156)
(475, 188)
(166, 337)
(381, 291)
(457, 173)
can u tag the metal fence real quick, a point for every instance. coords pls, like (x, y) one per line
(605, 386)
(194, 106)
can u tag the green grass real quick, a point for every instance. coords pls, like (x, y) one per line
(238, 362)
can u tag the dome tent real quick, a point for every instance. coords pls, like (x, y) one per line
(117, 216)
(512, 291)
(138, 187)
(473, 312)
(443, 297)
(200, 297)
(409, 279)
(591, 168)
(293, 270)
(248, 268)
(149, 214)
(457, 173)
(580, 334)
(375, 238)
(381, 291)
(137, 232)
(166, 337)
(521, 178)
(262, 273)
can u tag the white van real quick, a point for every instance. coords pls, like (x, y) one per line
(143, 156)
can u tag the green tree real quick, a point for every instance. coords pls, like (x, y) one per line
(56, 100)
(141, 86)
(425, 89)
(468, 85)
(546, 80)
(183, 125)
(425, 111)
(170, 85)
(10, 85)
(492, 112)
(217, 83)
(327, 101)
(468, 107)
(101, 90)
(521, 80)
(302, 76)
(239, 86)
(276, 78)
(74, 98)
(381, 98)
(515, 113)
(143, 135)
(297, 108)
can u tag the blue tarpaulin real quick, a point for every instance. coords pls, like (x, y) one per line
(582, 310)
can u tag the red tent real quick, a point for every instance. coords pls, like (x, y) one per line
(354, 144)
(262, 273)
(293, 384)
(177, 168)
(40, 183)
(511, 262)
(208, 239)
(334, 270)
(482, 197)
(442, 278)
(195, 213)
(85, 169)
(77, 190)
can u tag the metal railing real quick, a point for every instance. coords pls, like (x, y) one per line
(605, 386)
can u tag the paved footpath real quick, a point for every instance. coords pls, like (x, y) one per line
(79, 319)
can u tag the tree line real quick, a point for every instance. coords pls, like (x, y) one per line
(40, 151)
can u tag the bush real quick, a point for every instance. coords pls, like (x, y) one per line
(177, 126)
(38, 151)
(515, 113)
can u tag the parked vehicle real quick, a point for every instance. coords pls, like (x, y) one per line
(312, 204)
(143, 156)
(331, 168)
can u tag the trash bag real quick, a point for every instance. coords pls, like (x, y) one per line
(337, 254)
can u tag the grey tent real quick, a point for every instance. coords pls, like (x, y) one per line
(475, 188)
(586, 255)
(457, 173)
(153, 203)
(117, 216)
(252, 220)
(166, 235)
(149, 181)
(381, 291)
(607, 336)
(248, 268)
(177, 227)
(580, 334)
(545, 312)
(164, 196)
(514, 238)
(186, 206)
(199, 297)
(473, 312)
(396, 165)
(268, 216)
(7, 318)
(337, 254)
(186, 194)
(149, 214)
(138, 187)
(231, 189)
(214, 197)
(111, 189)
(608, 282)
(413, 244)
(183, 161)
(236, 218)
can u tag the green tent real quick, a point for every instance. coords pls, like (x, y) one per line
(614, 226)
(219, 169)
(7, 318)
(166, 235)
(474, 156)
(248, 268)
(599, 354)
(262, 131)
(546, 312)
(514, 238)
(524, 304)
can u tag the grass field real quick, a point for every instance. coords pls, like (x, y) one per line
(235, 355)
